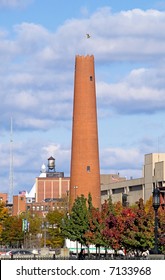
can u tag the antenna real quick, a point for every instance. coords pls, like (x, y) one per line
(158, 148)
(11, 163)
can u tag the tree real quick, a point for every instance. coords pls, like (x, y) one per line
(3, 216)
(138, 228)
(129, 227)
(75, 225)
(97, 223)
(56, 238)
(113, 226)
(161, 213)
(112, 231)
(12, 234)
(107, 208)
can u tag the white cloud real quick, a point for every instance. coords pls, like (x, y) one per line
(127, 162)
(142, 91)
(37, 79)
(42, 62)
(61, 155)
(39, 65)
(14, 3)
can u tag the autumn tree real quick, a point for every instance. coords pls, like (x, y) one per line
(161, 214)
(96, 225)
(112, 231)
(138, 228)
(107, 208)
(54, 219)
(3, 216)
(12, 234)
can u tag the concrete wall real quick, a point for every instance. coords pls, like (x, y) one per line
(153, 171)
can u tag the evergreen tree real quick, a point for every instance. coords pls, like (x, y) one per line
(76, 224)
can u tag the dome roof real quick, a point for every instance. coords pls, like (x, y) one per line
(43, 168)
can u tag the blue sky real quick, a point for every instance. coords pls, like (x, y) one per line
(38, 43)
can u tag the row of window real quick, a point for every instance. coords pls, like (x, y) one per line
(43, 208)
(121, 190)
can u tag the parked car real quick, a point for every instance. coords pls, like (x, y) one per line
(21, 252)
(6, 253)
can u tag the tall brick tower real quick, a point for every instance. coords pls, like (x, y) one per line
(85, 167)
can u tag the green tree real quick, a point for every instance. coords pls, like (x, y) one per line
(75, 225)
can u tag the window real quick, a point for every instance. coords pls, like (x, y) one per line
(88, 168)
(119, 190)
(135, 188)
(105, 192)
(91, 78)
(124, 199)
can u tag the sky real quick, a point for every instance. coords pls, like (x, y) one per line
(38, 43)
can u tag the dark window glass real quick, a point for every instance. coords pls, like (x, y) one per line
(88, 168)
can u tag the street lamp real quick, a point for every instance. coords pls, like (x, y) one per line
(124, 199)
(156, 204)
(45, 226)
(67, 202)
(75, 191)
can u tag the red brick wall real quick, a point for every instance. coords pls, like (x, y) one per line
(51, 188)
(19, 205)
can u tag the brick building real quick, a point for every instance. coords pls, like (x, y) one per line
(19, 204)
(52, 184)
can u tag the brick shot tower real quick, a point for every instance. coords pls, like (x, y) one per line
(85, 166)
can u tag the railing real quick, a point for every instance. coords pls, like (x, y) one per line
(91, 257)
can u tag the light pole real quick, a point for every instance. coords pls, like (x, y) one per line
(75, 196)
(75, 191)
(124, 199)
(67, 202)
(45, 225)
(156, 204)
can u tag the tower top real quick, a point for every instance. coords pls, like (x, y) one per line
(85, 56)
